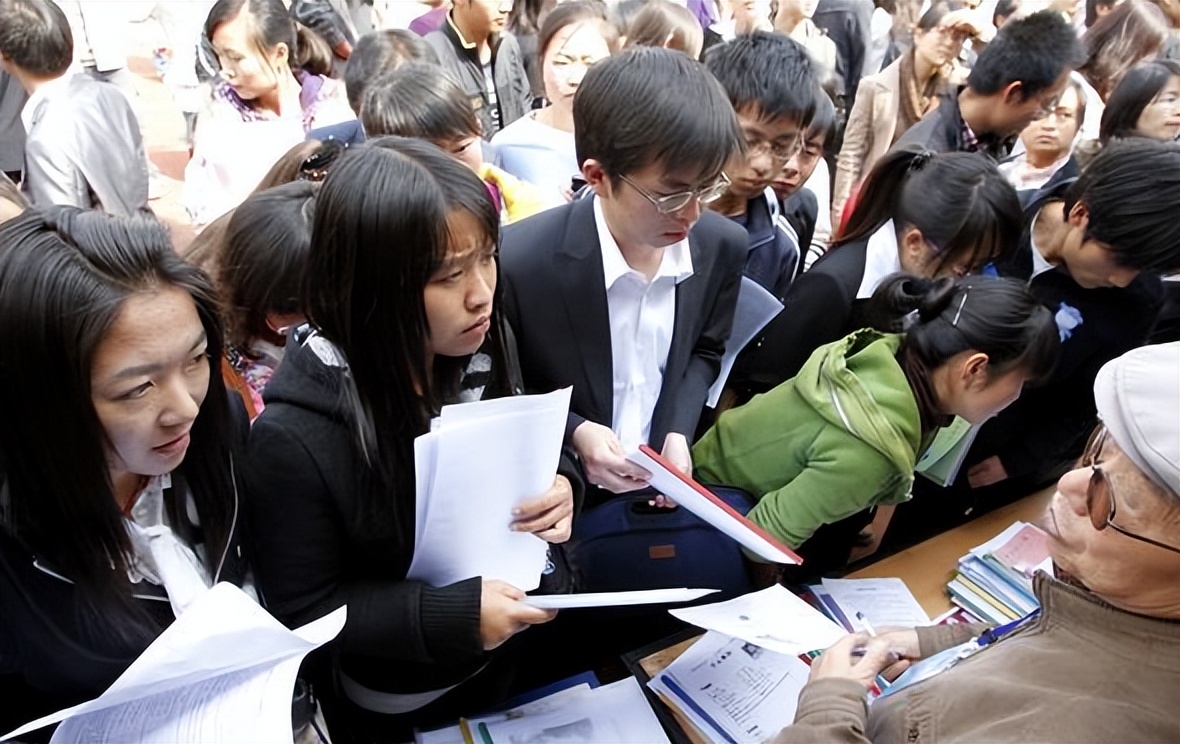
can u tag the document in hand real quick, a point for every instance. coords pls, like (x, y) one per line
(615, 599)
(755, 308)
(773, 618)
(480, 461)
(223, 672)
(686, 492)
(733, 691)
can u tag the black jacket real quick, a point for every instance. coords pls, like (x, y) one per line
(847, 23)
(51, 654)
(941, 130)
(318, 547)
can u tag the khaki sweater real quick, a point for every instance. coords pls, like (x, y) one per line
(1083, 672)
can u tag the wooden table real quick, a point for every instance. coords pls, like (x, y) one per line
(927, 567)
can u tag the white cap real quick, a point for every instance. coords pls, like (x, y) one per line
(1138, 399)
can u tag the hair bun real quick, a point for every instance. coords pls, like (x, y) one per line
(935, 296)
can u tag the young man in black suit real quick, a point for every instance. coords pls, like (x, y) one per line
(628, 293)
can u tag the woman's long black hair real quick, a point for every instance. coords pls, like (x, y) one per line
(65, 274)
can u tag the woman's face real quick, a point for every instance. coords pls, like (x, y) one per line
(978, 396)
(939, 45)
(149, 377)
(572, 51)
(1161, 118)
(458, 297)
(920, 256)
(250, 71)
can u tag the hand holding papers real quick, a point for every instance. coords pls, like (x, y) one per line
(696, 498)
(480, 461)
(773, 618)
(224, 672)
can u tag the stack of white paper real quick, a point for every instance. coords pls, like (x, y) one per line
(773, 618)
(480, 461)
(224, 671)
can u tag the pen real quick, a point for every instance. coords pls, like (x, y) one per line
(865, 624)
(484, 735)
(465, 730)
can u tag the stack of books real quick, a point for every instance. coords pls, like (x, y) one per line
(994, 580)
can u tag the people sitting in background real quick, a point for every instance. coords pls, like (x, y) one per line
(843, 435)
(1145, 103)
(1112, 603)
(1131, 32)
(486, 63)
(667, 24)
(1016, 80)
(539, 146)
(270, 97)
(423, 102)
(1048, 144)
(925, 214)
(891, 101)
(402, 297)
(83, 146)
(111, 526)
(260, 282)
(771, 84)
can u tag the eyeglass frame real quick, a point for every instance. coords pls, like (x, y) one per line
(673, 203)
(769, 148)
(1099, 478)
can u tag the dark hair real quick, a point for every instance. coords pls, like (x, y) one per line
(36, 36)
(944, 317)
(1034, 51)
(526, 15)
(1135, 92)
(380, 52)
(935, 13)
(664, 23)
(379, 234)
(65, 275)
(265, 254)
(623, 14)
(271, 25)
(572, 13)
(1092, 7)
(685, 121)
(824, 120)
(960, 202)
(1131, 190)
(1004, 10)
(418, 100)
(1079, 91)
(1131, 32)
(767, 71)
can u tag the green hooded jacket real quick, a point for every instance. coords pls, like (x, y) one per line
(842, 436)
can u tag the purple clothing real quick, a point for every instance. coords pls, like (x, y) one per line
(705, 12)
(430, 21)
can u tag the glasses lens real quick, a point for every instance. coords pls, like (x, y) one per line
(674, 202)
(1098, 499)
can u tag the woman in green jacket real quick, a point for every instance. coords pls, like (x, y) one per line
(845, 433)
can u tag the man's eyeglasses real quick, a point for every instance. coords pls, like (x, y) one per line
(782, 152)
(681, 199)
(1100, 501)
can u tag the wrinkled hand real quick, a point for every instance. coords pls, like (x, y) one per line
(549, 516)
(604, 461)
(986, 473)
(903, 642)
(839, 662)
(502, 614)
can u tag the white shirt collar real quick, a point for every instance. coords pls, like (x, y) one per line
(1039, 264)
(43, 91)
(881, 260)
(676, 262)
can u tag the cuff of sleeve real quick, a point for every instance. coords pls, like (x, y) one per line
(828, 701)
(450, 620)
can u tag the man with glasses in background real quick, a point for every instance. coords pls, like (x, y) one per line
(628, 293)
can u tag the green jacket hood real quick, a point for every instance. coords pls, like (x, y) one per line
(857, 383)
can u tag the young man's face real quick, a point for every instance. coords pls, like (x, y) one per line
(1090, 263)
(627, 203)
(770, 143)
(1017, 112)
(800, 167)
(487, 17)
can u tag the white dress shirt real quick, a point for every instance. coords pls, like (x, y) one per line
(881, 260)
(642, 317)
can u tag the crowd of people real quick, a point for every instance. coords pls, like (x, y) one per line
(968, 212)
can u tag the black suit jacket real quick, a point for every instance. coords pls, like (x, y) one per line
(555, 300)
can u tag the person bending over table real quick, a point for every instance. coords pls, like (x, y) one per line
(1098, 662)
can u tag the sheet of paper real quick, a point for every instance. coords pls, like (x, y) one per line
(615, 599)
(755, 308)
(773, 618)
(885, 602)
(944, 457)
(733, 690)
(684, 492)
(223, 634)
(483, 459)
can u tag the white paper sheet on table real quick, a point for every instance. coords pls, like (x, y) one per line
(480, 461)
(671, 483)
(773, 618)
(885, 602)
(755, 308)
(615, 599)
(223, 671)
(733, 690)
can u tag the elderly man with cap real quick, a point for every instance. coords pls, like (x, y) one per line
(1100, 660)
